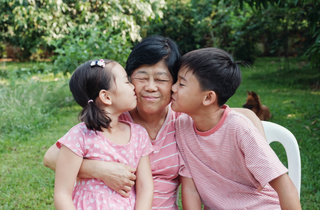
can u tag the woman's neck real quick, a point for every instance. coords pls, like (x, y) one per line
(151, 122)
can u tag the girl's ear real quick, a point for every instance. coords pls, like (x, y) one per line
(105, 97)
(210, 98)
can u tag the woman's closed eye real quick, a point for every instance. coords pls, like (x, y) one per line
(162, 80)
(142, 78)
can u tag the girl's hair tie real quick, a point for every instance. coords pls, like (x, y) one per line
(90, 101)
(100, 63)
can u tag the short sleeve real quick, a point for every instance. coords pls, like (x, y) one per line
(260, 158)
(183, 169)
(74, 140)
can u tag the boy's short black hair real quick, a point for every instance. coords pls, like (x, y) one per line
(215, 70)
(150, 51)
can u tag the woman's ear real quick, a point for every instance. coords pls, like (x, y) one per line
(209, 98)
(105, 97)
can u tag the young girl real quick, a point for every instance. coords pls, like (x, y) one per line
(103, 90)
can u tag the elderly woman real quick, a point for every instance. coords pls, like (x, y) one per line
(152, 68)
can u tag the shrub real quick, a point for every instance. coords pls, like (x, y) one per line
(92, 43)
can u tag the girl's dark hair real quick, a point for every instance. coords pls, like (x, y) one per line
(215, 70)
(85, 85)
(150, 51)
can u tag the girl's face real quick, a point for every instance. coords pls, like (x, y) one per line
(152, 87)
(123, 95)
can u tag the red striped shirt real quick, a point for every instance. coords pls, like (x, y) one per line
(229, 163)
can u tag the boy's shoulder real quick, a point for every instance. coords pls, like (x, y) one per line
(237, 119)
(184, 119)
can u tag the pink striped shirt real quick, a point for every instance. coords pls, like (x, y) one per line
(164, 163)
(231, 164)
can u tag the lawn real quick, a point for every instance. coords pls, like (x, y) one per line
(37, 109)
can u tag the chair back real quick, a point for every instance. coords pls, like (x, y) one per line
(275, 132)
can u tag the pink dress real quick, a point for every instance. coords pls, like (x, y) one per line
(93, 193)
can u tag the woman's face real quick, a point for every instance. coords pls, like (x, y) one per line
(152, 87)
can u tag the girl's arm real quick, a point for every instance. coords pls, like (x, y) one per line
(189, 194)
(253, 117)
(144, 184)
(68, 164)
(117, 176)
(287, 192)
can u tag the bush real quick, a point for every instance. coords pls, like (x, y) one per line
(92, 43)
(206, 24)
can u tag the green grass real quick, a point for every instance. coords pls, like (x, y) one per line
(36, 110)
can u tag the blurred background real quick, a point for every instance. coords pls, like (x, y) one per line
(67, 31)
(43, 41)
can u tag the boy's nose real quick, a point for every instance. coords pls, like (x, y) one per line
(173, 88)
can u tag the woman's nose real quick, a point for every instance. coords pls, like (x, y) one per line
(151, 85)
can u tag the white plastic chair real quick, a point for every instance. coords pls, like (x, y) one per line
(275, 132)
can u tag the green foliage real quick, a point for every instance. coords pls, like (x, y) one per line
(33, 24)
(196, 24)
(91, 43)
(310, 13)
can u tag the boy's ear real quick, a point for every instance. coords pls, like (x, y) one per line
(105, 97)
(210, 98)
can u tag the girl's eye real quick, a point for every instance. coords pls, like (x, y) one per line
(162, 80)
(181, 84)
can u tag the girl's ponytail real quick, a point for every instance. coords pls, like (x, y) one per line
(85, 85)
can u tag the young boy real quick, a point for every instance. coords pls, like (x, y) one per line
(226, 163)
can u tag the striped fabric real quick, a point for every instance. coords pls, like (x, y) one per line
(231, 164)
(164, 163)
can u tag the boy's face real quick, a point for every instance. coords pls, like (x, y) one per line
(187, 95)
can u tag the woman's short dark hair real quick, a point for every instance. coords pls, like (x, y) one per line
(85, 85)
(150, 51)
(215, 70)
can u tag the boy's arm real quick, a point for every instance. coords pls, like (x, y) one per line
(68, 164)
(144, 185)
(117, 176)
(287, 192)
(253, 117)
(189, 193)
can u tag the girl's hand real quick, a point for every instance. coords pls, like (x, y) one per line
(117, 176)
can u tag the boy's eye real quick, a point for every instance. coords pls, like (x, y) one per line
(181, 84)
